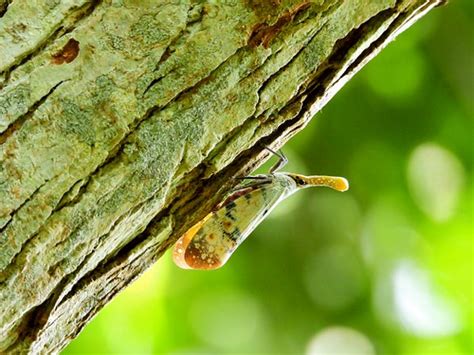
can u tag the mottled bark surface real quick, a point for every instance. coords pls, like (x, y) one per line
(122, 122)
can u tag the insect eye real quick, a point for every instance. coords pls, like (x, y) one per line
(299, 181)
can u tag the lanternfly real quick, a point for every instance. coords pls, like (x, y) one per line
(210, 242)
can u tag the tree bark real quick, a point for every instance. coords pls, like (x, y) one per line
(122, 123)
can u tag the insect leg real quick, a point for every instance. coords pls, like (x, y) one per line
(282, 160)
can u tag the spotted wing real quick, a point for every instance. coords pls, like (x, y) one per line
(211, 242)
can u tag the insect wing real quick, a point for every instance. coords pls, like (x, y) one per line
(211, 242)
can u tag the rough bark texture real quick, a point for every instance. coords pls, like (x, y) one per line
(122, 123)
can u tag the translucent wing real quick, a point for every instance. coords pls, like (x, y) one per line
(211, 242)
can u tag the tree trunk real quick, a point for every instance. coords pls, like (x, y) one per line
(122, 123)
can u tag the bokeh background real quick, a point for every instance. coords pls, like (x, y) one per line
(385, 268)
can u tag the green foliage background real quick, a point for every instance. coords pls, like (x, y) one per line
(384, 268)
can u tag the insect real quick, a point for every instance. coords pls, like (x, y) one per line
(211, 242)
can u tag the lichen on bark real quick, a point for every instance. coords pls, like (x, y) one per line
(123, 122)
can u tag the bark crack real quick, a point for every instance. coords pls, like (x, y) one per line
(263, 33)
(11, 263)
(179, 38)
(18, 123)
(281, 70)
(4, 6)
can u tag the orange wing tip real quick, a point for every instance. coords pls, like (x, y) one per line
(179, 252)
(197, 263)
(187, 255)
